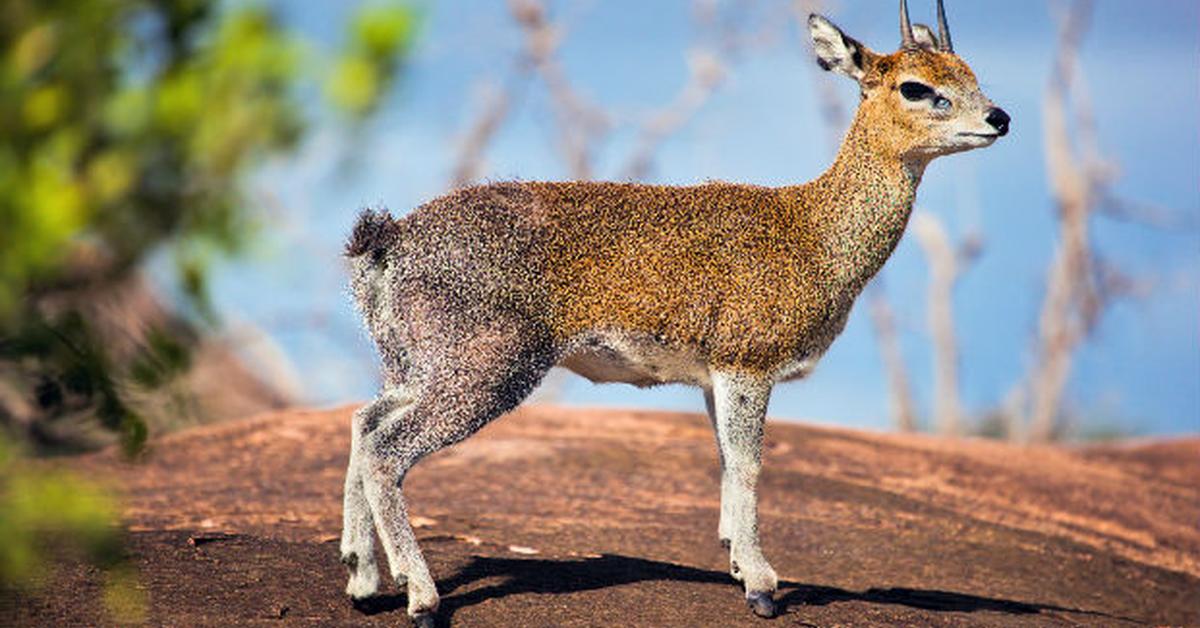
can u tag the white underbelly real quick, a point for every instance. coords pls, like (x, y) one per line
(796, 369)
(634, 359)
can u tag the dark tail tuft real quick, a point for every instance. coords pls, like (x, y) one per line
(373, 233)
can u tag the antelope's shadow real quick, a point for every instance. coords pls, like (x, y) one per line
(525, 575)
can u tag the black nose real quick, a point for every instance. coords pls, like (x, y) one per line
(997, 118)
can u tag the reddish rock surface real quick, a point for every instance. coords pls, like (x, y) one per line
(567, 517)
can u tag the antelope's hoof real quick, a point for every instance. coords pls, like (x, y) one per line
(725, 543)
(424, 620)
(359, 593)
(761, 603)
(364, 580)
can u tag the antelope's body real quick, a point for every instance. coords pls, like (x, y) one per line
(472, 297)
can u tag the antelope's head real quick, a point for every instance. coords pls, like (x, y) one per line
(923, 98)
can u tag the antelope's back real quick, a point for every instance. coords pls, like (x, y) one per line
(713, 267)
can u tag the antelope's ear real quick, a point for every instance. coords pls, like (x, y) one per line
(925, 37)
(837, 51)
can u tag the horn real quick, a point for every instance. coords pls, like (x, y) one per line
(943, 30)
(906, 32)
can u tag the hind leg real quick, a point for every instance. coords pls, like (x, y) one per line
(358, 526)
(469, 379)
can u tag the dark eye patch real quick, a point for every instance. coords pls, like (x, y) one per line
(914, 91)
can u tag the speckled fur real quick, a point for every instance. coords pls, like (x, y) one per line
(475, 295)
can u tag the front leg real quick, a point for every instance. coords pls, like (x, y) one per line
(740, 403)
(725, 524)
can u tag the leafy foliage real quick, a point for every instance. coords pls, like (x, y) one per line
(46, 514)
(370, 63)
(129, 127)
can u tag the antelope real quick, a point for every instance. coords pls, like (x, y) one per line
(475, 295)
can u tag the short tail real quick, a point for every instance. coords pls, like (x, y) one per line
(374, 232)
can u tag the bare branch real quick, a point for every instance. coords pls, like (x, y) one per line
(1073, 303)
(1146, 214)
(944, 271)
(899, 390)
(706, 72)
(580, 124)
(496, 105)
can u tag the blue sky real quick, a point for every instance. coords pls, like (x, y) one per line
(1139, 372)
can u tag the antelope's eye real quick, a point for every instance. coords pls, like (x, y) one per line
(914, 91)
(941, 103)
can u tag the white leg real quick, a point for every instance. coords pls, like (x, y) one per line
(740, 400)
(381, 484)
(381, 468)
(358, 536)
(724, 528)
(358, 526)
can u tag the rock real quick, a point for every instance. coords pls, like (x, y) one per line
(622, 506)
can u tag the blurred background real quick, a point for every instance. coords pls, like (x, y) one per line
(1069, 306)
(177, 180)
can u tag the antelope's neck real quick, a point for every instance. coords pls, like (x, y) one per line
(858, 209)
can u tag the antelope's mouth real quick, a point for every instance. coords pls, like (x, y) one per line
(986, 135)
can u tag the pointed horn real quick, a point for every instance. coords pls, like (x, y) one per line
(906, 32)
(944, 43)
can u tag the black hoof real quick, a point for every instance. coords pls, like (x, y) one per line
(424, 620)
(761, 603)
(725, 543)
